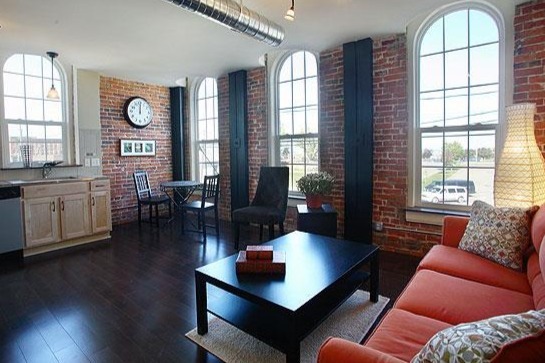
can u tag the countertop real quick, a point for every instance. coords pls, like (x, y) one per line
(67, 179)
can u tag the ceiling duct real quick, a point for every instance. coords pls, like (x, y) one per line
(236, 17)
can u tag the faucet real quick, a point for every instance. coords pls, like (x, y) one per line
(47, 167)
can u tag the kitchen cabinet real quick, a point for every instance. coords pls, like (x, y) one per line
(64, 214)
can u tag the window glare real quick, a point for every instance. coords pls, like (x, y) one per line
(297, 116)
(206, 123)
(458, 106)
(30, 117)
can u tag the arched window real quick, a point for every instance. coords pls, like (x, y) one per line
(297, 115)
(458, 88)
(206, 144)
(29, 117)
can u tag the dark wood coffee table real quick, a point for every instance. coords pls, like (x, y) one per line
(321, 273)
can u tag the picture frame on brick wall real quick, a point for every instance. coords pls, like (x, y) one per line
(137, 147)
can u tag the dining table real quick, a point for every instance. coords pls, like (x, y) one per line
(179, 191)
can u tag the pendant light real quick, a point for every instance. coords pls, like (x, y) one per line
(290, 14)
(52, 94)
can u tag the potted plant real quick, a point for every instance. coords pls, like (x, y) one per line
(314, 186)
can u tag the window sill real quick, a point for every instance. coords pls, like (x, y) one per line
(41, 166)
(431, 215)
(293, 201)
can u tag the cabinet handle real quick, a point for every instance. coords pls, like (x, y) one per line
(53, 206)
(100, 185)
(62, 205)
(93, 201)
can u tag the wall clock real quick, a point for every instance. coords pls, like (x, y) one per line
(138, 112)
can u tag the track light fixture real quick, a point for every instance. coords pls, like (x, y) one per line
(290, 14)
(52, 94)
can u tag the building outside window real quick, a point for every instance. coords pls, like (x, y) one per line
(206, 139)
(296, 128)
(29, 118)
(457, 103)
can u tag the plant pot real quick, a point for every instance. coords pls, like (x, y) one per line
(314, 201)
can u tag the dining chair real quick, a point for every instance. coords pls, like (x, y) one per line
(145, 196)
(208, 202)
(269, 204)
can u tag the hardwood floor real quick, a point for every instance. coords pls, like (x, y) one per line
(131, 300)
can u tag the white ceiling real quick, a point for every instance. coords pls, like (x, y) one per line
(155, 42)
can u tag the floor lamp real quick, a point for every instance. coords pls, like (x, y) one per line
(519, 180)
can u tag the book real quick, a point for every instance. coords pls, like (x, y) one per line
(275, 266)
(259, 253)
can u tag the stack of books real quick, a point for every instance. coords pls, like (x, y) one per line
(261, 260)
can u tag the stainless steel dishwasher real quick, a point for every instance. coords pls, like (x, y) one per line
(11, 227)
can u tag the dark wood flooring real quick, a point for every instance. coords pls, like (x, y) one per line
(131, 300)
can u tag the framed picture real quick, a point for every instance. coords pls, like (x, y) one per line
(137, 147)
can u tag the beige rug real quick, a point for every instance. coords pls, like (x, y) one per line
(350, 321)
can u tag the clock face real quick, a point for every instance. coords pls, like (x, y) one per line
(137, 112)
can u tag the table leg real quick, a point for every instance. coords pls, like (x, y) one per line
(202, 318)
(293, 355)
(374, 277)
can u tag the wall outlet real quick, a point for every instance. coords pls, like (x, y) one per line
(87, 162)
(95, 161)
(378, 226)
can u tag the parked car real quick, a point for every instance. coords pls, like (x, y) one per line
(468, 184)
(447, 194)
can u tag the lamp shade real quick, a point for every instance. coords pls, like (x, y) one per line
(519, 180)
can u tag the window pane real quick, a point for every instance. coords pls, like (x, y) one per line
(210, 86)
(312, 120)
(482, 148)
(484, 104)
(209, 108)
(432, 150)
(431, 72)
(298, 60)
(312, 91)
(299, 126)
(299, 93)
(298, 172)
(202, 90)
(14, 64)
(33, 65)
(285, 151)
(483, 180)
(285, 95)
(35, 110)
(456, 30)
(285, 71)
(431, 109)
(53, 133)
(53, 111)
(34, 87)
(210, 129)
(201, 110)
(36, 133)
(484, 64)
(456, 69)
(17, 133)
(311, 146)
(310, 61)
(54, 151)
(286, 125)
(14, 85)
(456, 107)
(455, 149)
(432, 42)
(14, 108)
(483, 28)
(201, 130)
(299, 151)
(431, 178)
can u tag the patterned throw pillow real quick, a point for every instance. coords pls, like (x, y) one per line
(498, 234)
(480, 341)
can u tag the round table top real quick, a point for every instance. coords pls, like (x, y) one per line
(181, 184)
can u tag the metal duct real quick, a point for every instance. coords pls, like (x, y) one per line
(236, 17)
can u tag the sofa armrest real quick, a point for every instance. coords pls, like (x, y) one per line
(453, 230)
(335, 350)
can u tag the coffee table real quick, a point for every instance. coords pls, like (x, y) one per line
(281, 310)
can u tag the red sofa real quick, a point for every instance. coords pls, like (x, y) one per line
(450, 287)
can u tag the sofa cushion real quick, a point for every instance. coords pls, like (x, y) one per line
(340, 350)
(481, 341)
(455, 262)
(402, 334)
(498, 234)
(530, 349)
(538, 228)
(455, 300)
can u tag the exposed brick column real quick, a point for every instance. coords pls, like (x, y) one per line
(331, 80)
(529, 61)
(224, 144)
(391, 125)
(119, 169)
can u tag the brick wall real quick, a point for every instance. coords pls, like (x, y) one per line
(224, 144)
(529, 61)
(119, 169)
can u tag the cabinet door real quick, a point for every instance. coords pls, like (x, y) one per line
(41, 221)
(100, 211)
(74, 215)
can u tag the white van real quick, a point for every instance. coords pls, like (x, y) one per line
(446, 194)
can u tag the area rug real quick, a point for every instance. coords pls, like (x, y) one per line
(350, 321)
